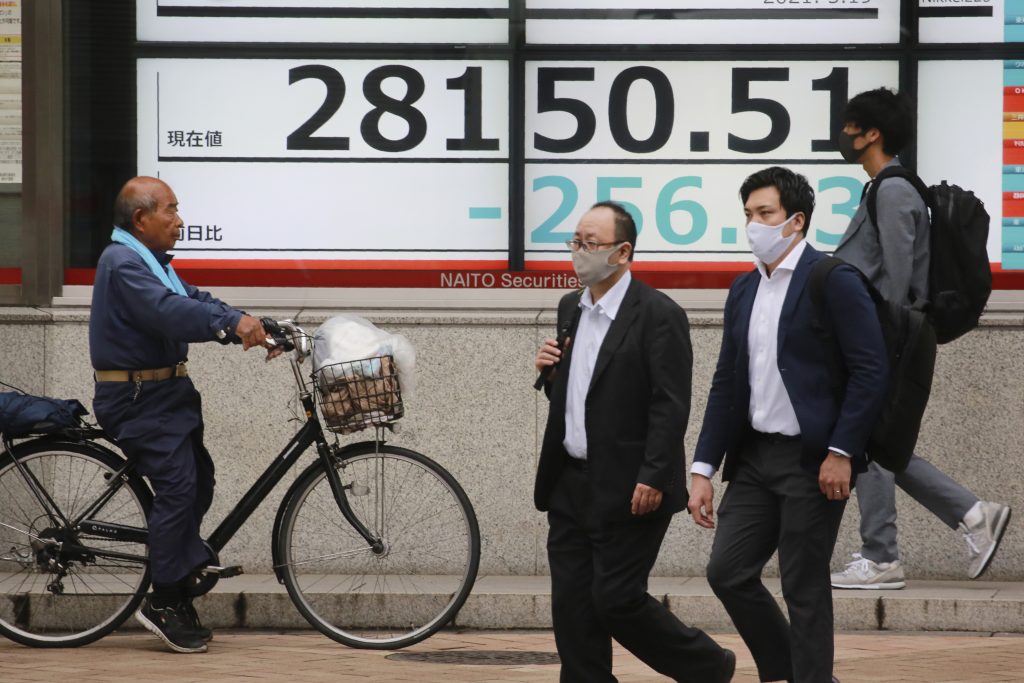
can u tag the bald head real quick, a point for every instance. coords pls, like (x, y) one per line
(138, 194)
(147, 208)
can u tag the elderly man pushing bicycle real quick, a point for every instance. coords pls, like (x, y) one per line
(143, 318)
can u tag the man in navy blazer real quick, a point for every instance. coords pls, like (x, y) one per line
(792, 437)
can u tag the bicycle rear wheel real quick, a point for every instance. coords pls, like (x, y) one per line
(425, 567)
(63, 587)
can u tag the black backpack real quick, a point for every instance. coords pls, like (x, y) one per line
(910, 346)
(959, 273)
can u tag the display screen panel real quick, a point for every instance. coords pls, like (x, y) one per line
(706, 22)
(673, 142)
(324, 21)
(386, 160)
(345, 160)
(976, 141)
(971, 21)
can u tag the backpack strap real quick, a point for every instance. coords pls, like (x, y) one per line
(871, 189)
(819, 276)
(821, 323)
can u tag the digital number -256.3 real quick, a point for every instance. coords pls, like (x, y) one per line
(670, 203)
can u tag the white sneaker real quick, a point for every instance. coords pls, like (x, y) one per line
(865, 574)
(983, 528)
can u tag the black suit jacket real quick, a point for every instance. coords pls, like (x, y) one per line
(636, 409)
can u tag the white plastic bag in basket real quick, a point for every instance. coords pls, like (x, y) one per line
(346, 337)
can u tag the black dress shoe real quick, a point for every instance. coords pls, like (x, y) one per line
(729, 666)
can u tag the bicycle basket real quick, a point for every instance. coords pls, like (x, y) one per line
(357, 394)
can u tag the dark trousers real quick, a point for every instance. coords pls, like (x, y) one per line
(162, 427)
(599, 592)
(772, 503)
(182, 480)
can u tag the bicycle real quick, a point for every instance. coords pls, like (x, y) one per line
(363, 522)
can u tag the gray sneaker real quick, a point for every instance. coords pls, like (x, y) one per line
(983, 534)
(865, 574)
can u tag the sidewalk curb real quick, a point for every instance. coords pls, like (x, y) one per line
(524, 602)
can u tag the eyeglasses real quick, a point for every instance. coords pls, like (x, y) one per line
(589, 247)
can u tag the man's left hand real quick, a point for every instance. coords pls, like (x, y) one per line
(645, 499)
(834, 477)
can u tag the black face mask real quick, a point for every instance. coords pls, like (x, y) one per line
(851, 154)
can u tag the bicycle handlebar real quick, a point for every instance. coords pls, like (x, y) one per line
(288, 335)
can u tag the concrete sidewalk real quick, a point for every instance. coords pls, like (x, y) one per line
(524, 602)
(454, 656)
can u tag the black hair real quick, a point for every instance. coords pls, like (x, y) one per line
(890, 112)
(625, 226)
(795, 193)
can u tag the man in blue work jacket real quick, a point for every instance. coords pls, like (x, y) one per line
(143, 317)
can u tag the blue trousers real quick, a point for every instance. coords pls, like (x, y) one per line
(162, 428)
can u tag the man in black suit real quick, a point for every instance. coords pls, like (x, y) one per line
(612, 466)
(791, 434)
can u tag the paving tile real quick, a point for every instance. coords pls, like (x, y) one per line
(248, 656)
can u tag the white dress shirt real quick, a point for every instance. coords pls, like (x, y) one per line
(770, 410)
(595, 319)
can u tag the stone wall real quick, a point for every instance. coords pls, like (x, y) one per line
(476, 413)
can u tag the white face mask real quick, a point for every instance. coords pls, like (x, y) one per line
(767, 242)
(593, 267)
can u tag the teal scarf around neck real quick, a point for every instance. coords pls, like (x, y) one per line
(168, 276)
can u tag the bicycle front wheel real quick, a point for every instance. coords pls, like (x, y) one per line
(417, 578)
(64, 584)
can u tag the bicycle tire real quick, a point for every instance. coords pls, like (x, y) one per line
(409, 591)
(92, 597)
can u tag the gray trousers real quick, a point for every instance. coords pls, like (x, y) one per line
(771, 504)
(876, 497)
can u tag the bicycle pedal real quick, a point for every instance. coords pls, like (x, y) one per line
(225, 572)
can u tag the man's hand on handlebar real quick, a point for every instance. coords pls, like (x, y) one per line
(277, 340)
(250, 331)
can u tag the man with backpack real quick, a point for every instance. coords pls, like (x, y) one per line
(891, 240)
(789, 450)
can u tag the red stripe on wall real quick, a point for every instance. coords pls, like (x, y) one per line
(302, 264)
(660, 275)
(10, 276)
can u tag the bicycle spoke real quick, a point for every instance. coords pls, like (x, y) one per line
(332, 556)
